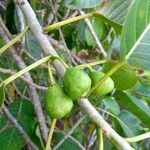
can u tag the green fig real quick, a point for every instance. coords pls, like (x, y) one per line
(76, 83)
(106, 87)
(57, 103)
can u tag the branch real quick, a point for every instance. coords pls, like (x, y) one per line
(19, 128)
(62, 36)
(36, 102)
(69, 133)
(93, 33)
(84, 103)
(9, 71)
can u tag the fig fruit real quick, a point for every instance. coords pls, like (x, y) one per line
(57, 103)
(76, 83)
(106, 87)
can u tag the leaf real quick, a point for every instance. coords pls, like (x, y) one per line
(131, 124)
(135, 106)
(143, 90)
(23, 111)
(115, 25)
(100, 29)
(121, 76)
(111, 105)
(115, 10)
(2, 96)
(139, 54)
(32, 46)
(135, 36)
(80, 4)
(10, 140)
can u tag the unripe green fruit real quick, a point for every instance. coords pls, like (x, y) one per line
(57, 103)
(106, 87)
(76, 83)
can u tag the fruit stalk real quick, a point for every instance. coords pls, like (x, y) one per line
(48, 147)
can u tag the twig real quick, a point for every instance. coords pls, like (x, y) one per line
(33, 92)
(89, 25)
(19, 128)
(61, 35)
(77, 142)
(9, 71)
(69, 133)
(72, 138)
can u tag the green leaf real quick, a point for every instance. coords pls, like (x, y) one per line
(32, 46)
(135, 106)
(111, 105)
(115, 10)
(135, 36)
(124, 78)
(143, 90)
(131, 124)
(23, 111)
(80, 4)
(100, 29)
(2, 96)
(115, 25)
(10, 140)
(138, 56)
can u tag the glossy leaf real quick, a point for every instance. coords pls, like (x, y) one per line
(100, 29)
(135, 37)
(131, 124)
(80, 4)
(110, 22)
(23, 111)
(9, 139)
(32, 45)
(115, 10)
(143, 90)
(135, 106)
(111, 105)
(124, 78)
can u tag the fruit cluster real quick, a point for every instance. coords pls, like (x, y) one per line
(77, 84)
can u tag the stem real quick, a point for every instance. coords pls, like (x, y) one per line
(94, 35)
(21, 72)
(138, 138)
(14, 40)
(50, 73)
(67, 21)
(50, 134)
(58, 58)
(113, 70)
(100, 139)
(91, 64)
